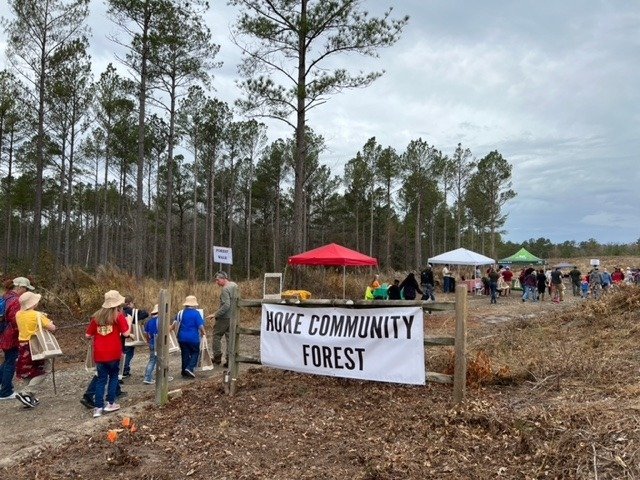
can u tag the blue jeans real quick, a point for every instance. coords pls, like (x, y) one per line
(7, 371)
(151, 366)
(91, 388)
(530, 293)
(107, 377)
(446, 284)
(189, 352)
(128, 356)
(427, 288)
(493, 286)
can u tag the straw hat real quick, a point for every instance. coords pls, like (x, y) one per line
(28, 300)
(154, 310)
(22, 282)
(112, 299)
(190, 301)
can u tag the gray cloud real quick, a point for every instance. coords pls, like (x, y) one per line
(551, 85)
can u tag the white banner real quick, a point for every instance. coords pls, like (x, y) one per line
(382, 344)
(223, 255)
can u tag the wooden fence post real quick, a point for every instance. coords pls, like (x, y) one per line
(162, 348)
(460, 372)
(234, 337)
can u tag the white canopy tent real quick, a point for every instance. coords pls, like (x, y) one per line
(462, 256)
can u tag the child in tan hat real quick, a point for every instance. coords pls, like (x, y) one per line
(105, 328)
(189, 326)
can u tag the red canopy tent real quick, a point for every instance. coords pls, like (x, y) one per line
(334, 255)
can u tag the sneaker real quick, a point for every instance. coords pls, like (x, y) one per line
(87, 401)
(111, 407)
(189, 373)
(149, 382)
(97, 412)
(126, 374)
(9, 397)
(27, 399)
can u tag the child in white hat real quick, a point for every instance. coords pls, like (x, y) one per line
(34, 371)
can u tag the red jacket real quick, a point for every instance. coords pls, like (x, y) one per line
(9, 337)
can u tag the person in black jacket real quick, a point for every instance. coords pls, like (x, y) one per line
(427, 283)
(410, 287)
(393, 293)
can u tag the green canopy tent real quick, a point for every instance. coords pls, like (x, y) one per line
(522, 257)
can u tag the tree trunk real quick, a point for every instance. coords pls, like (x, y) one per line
(417, 238)
(194, 240)
(105, 228)
(37, 217)
(371, 205)
(67, 215)
(300, 152)
(61, 207)
(248, 220)
(8, 214)
(167, 231)
(276, 230)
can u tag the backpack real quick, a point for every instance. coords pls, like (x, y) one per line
(3, 307)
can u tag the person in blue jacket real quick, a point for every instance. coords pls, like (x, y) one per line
(137, 316)
(189, 327)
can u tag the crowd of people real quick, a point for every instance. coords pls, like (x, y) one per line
(495, 281)
(109, 328)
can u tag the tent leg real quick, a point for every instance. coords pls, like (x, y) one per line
(344, 281)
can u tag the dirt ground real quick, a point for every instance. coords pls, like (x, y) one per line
(291, 426)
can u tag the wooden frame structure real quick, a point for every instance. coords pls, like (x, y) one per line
(459, 341)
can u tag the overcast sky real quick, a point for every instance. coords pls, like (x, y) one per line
(553, 86)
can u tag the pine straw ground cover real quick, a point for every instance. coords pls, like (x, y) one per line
(554, 397)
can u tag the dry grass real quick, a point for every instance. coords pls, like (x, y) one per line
(585, 344)
(555, 396)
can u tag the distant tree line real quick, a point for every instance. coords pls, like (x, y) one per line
(148, 170)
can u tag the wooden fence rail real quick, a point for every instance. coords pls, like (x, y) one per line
(459, 341)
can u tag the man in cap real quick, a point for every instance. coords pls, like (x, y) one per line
(595, 282)
(228, 298)
(576, 280)
(9, 335)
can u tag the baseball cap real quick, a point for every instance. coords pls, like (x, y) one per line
(22, 282)
(221, 275)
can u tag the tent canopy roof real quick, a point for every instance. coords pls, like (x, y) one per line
(522, 256)
(333, 255)
(462, 256)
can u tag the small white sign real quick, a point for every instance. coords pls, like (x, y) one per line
(223, 255)
(594, 262)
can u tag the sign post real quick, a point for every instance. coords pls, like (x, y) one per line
(162, 348)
